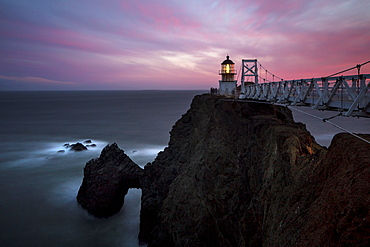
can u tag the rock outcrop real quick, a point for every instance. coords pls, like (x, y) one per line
(78, 147)
(239, 173)
(107, 180)
(339, 212)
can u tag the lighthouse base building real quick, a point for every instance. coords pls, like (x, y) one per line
(227, 88)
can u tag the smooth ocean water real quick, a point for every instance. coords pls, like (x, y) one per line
(38, 185)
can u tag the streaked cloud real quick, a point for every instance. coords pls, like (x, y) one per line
(123, 44)
(34, 80)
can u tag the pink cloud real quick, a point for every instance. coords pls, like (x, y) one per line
(131, 44)
(34, 80)
(167, 17)
(63, 38)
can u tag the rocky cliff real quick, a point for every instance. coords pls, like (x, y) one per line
(238, 173)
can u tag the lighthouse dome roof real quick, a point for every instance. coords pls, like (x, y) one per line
(227, 61)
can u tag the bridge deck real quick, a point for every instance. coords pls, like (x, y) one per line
(347, 94)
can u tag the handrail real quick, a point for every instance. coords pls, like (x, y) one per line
(348, 94)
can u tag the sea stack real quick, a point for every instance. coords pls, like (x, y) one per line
(106, 182)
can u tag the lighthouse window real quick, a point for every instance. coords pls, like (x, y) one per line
(227, 68)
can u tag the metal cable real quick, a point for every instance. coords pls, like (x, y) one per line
(268, 72)
(357, 66)
(335, 125)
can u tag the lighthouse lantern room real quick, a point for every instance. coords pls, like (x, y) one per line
(227, 85)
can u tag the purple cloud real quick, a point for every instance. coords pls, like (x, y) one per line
(176, 44)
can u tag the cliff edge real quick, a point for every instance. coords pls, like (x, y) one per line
(238, 173)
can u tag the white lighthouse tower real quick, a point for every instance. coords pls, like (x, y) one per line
(227, 85)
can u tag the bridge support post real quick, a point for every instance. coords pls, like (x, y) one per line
(249, 70)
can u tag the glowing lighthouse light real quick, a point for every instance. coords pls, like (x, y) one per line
(227, 85)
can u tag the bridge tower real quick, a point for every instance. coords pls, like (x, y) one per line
(249, 70)
(227, 85)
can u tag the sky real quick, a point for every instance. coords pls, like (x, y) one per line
(174, 44)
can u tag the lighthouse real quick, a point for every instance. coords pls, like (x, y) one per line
(227, 84)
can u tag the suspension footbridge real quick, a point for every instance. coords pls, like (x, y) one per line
(349, 95)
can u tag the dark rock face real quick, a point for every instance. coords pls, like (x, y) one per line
(339, 214)
(238, 173)
(107, 180)
(77, 147)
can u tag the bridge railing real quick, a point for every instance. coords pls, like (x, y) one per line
(347, 94)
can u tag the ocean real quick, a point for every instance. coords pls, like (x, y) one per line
(39, 177)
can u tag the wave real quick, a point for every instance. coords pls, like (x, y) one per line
(65, 193)
(35, 154)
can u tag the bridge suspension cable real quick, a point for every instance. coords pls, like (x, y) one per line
(335, 125)
(267, 72)
(358, 67)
